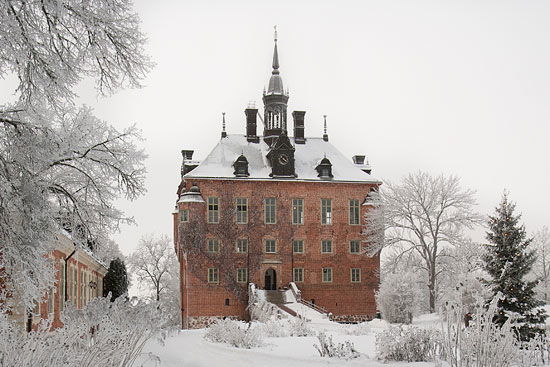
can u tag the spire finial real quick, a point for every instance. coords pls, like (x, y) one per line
(325, 136)
(275, 54)
(224, 134)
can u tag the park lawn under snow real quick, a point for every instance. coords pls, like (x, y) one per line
(189, 348)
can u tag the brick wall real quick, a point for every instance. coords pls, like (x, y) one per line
(341, 297)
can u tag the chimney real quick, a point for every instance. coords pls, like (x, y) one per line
(359, 159)
(188, 163)
(251, 136)
(298, 117)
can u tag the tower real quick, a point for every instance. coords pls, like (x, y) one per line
(275, 103)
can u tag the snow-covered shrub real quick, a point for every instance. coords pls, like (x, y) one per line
(482, 342)
(300, 327)
(103, 334)
(397, 297)
(263, 311)
(407, 343)
(236, 333)
(362, 328)
(535, 352)
(327, 348)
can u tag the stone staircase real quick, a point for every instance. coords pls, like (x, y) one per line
(276, 297)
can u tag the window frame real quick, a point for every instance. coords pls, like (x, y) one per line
(238, 248)
(323, 242)
(213, 276)
(358, 247)
(301, 272)
(213, 215)
(326, 271)
(354, 206)
(184, 215)
(271, 212)
(298, 209)
(210, 241)
(241, 214)
(294, 242)
(351, 275)
(240, 271)
(274, 246)
(326, 212)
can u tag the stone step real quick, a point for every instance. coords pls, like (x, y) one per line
(275, 297)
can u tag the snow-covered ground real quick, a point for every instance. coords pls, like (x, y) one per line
(189, 348)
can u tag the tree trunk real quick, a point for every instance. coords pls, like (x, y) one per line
(431, 287)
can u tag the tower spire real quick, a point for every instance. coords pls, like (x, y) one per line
(325, 135)
(224, 134)
(275, 54)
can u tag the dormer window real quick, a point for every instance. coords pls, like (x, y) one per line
(324, 169)
(241, 167)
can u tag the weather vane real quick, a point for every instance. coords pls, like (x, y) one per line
(275, 33)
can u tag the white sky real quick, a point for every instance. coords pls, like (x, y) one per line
(459, 87)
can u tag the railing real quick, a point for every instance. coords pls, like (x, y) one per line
(314, 306)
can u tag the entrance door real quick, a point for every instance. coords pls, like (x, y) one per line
(270, 279)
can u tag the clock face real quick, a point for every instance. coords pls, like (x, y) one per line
(283, 159)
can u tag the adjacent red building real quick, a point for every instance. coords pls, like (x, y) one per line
(272, 209)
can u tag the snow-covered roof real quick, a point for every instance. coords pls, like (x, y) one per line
(219, 163)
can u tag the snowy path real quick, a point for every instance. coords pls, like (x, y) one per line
(189, 349)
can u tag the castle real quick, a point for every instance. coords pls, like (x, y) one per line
(274, 212)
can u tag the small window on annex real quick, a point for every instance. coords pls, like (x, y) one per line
(297, 211)
(298, 275)
(242, 245)
(355, 275)
(354, 246)
(213, 210)
(241, 206)
(298, 246)
(242, 275)
(326, 246)
(270, 246)
(354, 212)
(184, 215)
(326, 211)
(213, 245)
(213, 275)
(327, 275)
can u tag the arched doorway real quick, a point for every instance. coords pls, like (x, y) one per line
(270, 279)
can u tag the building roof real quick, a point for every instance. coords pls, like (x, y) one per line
(219, 163)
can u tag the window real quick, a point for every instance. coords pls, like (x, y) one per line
(63, 285)
(50, 300)
(213, 245)
(242, 210)
(242, 245)
(326, 246)
(213, 275)
(354, 246)
(354, 212)
(326, 211)
(242, 275)
(270, 210)
(298, 275)
(184, 215)
(355, 275)
(298, 246)
(75, 286)
(297, 211)
(327, 275)
(270, 246)
(213, 210)
(227, 301)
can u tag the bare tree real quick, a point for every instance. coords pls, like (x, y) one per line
(541, 267)
(154, 263)
(420, 214)
(60, 166)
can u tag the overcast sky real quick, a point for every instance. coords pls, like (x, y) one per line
(454, 87)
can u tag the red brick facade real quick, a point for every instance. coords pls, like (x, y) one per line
(343, 298)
